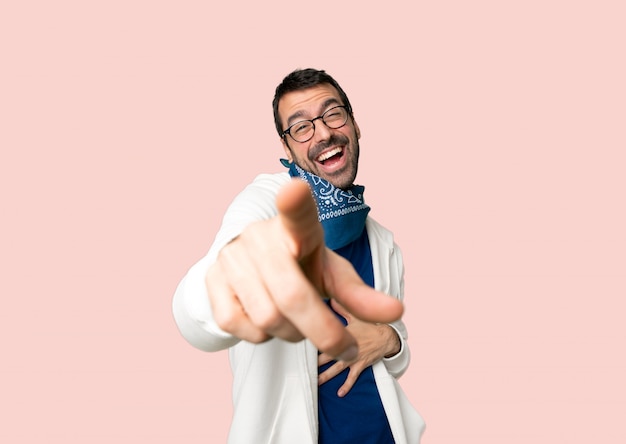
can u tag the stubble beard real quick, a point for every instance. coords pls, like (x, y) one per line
(344, 178)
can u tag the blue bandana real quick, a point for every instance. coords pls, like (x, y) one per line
(341, 212)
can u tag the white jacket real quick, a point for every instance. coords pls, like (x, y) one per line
(275, 383)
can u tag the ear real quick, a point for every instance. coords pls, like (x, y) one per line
(287, 149)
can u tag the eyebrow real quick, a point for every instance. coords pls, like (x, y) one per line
(292, 118)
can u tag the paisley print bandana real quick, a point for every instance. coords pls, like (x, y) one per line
(342, 213)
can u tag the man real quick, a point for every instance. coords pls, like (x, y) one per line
(288, 288)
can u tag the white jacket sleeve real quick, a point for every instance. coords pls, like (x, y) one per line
(398, 364)
(190, 305)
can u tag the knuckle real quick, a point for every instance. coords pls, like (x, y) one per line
(257, 337)
(226, 320)
(235, 322)
(268, 320)
(228, 254)
(292, 336)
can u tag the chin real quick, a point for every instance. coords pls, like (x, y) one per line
(344, 182)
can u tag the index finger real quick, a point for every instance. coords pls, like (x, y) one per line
(297, 212)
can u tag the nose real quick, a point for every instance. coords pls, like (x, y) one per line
(322, 132)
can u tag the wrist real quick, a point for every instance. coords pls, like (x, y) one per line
(393, 341)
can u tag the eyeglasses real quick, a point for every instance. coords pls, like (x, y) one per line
(303, 130)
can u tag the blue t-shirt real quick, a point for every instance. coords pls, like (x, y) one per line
(358, 417)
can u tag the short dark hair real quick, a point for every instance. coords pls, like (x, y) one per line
(303, 79)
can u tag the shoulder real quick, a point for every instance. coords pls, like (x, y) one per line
(271, 181)
(375, 229)
(382, 240)
(263, 188)
(257, 200)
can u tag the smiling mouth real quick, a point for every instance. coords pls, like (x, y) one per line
(334, 153)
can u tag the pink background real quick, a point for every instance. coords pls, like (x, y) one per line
(493, 145)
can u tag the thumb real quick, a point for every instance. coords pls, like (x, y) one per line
(297, 212)
(342, 282)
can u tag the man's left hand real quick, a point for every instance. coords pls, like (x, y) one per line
(375, 341)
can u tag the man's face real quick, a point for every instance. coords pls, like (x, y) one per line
(332, 154)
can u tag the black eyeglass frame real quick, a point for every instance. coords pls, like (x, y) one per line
(288, 130)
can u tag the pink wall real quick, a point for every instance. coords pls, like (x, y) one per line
(493, 146)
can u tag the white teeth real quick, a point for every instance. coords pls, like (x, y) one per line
(329, 154)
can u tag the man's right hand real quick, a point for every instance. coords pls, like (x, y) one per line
(271, 280)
